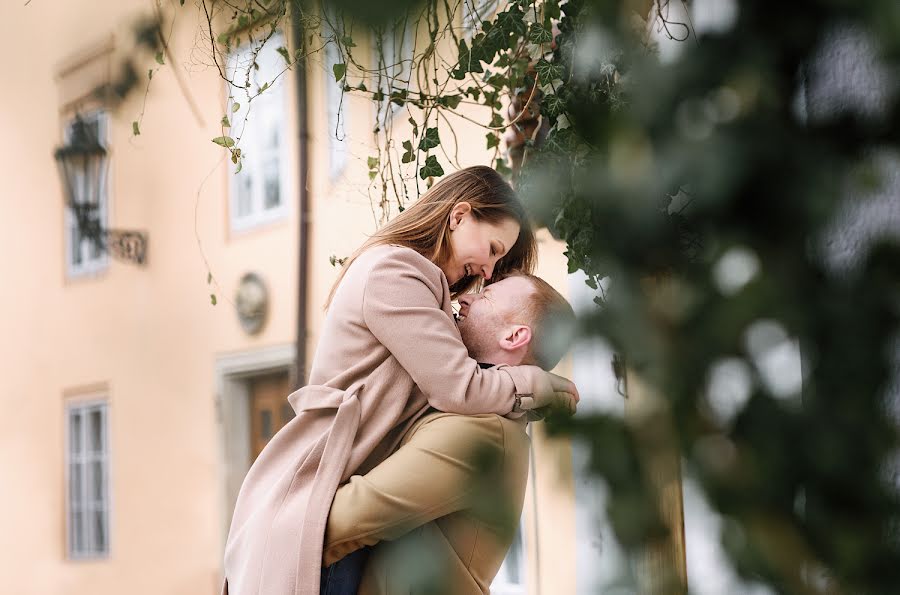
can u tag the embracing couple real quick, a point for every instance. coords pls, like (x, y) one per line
(409, 413)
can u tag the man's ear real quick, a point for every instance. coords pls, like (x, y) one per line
(516, 337)
(460, 209)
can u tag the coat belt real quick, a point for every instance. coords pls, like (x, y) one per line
(338, 446)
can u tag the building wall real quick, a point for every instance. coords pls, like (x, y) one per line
(147, 337)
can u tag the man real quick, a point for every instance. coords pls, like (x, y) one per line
(445, 504)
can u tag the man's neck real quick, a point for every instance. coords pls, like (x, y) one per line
(497, 358)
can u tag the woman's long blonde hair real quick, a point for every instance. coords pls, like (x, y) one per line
(425, 226)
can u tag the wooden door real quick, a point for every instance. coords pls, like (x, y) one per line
(269, 409)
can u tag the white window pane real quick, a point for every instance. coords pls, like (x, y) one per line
(76, 474)
(75, 445)
(97, 492)
(257, 190)
(272, 182)
(95, 429)
(513, 561)
(244, 181)
(272, 134)
(77, 540)
(75, 243)
(510, 579)
(98, 531)
(93, 249)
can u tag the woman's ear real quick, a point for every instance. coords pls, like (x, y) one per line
(460, 209)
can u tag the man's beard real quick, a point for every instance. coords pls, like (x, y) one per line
(479, 339)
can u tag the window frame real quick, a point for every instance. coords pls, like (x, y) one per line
(90, 266)
(84, 407)
(254, 159)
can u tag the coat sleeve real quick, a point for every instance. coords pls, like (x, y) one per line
(402, 309)
(439, 470)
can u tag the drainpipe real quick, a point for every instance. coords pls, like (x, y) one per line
(303, 198)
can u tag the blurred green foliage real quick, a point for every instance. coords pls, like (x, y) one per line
(707, 176)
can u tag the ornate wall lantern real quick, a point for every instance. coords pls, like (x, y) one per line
(82, 165)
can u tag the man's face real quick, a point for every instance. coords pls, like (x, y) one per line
(485, 317)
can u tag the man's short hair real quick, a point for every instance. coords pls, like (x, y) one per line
(544, 309)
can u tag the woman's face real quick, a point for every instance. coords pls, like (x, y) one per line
(476, 246)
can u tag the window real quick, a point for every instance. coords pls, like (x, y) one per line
(475, 11)
(83, 257)
(394, 51)
(87, 478)
(510, 579)
(334, 97)
(258, 193)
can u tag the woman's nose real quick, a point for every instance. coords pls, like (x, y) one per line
(487, 271)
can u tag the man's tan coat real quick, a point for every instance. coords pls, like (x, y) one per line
(389, 349)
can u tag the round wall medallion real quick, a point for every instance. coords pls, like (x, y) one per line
(252, 302)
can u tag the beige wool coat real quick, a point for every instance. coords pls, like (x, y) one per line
(389, 348)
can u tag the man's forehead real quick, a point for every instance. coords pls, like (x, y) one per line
(514, 286)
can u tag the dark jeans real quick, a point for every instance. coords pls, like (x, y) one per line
(343, 577)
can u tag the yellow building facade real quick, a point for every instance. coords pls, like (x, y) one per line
(133, 404)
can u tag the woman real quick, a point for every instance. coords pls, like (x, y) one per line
(389, 349)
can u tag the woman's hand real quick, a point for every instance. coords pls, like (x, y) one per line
(551, 393)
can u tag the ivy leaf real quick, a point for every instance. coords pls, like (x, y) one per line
(372, 162)
(492, 140)
(264, 87)
(159, 58)
(212, 298)
(339, 71)
(399, 97)
(451, 101)
(430, 140)
(431, 169)
(235, 107)
(547, 71)
(537, 34)
(497, 121)
(551, 12)
(150, 74)
(348, 41)
(224, 141)
(408, 156)
(502, 168)
(553, 105)
(415, 126)
(240, 166)
(284, 54)
(512, 21)
(135, 129)
(226, 122)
